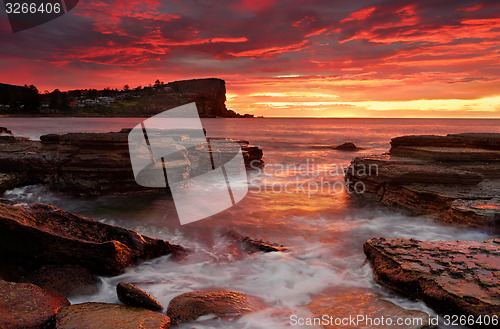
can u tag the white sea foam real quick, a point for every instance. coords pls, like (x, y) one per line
(324, 234)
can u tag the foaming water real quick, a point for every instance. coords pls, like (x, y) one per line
(323, 270)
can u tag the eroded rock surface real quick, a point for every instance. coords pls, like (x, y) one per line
(209, 95)
(131, 295)
(454, 177)
(39, 234)
(11, 180)
(64, 280)
(454, 277)
(347, 147)
(103, 315)
(339, 303)
(98, 163)
(25, 305)
(221, 303)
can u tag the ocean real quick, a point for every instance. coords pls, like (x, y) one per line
(297, 200)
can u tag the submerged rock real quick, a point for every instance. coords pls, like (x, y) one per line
(25, 305)
(454, 277)
(455, 177)
(221, 303)
(252, 245)
(131, 295)
(347, 147)
(103, 315)
(64, 280)
(38, 234)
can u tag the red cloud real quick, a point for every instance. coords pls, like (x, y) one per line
(419, 49)
(471, 8)
(359, 15)
(270, 51)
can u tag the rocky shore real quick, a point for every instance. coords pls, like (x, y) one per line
(454, 277)
(209, 94)
(89, 163)
(35, 235)
(455, 178)
(48, 255)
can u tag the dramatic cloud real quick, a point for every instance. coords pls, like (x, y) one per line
(294, 58)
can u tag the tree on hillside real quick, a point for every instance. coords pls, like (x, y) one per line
(32, 98)
(92, 93)
(59, 100)
(158, 83)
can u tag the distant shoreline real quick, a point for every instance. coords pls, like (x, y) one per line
(101, 116)
(257, 117)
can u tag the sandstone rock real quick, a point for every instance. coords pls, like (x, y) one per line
(342, 303)
(454, 277)
(251, 245)
(222, 303)
(347, 147)
(209, 95)
(104, 316)
(64, 280)
(40, 234)
(131, 295)
(92, 163)
(24, 305)
(12, 180)
(488, 141)
(436, 175)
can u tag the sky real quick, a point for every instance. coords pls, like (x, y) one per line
(300, 58)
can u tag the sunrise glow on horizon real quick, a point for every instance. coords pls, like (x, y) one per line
(401, 59)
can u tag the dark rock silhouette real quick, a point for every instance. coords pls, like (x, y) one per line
(209, 95)
(131, 295)
(348, 147)
(5, 131)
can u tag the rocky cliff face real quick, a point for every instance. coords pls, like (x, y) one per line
(209, 95)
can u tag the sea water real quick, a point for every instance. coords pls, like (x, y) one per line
(296, 200)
